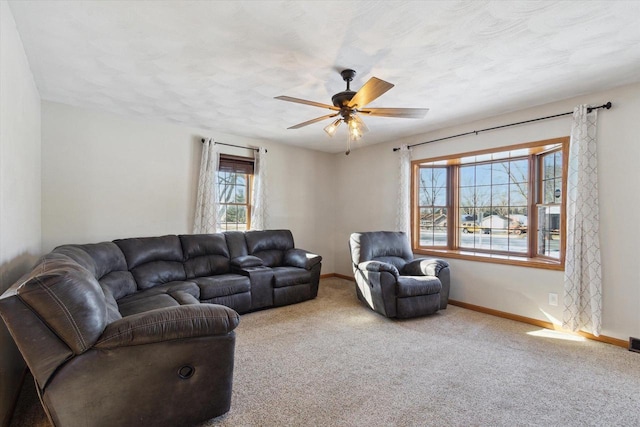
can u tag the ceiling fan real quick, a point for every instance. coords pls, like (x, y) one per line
(350, 105)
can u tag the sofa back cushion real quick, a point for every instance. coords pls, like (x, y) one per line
(153, 260)
(269, 245)
(68, 298)
(391, 247)
(108, 265)
(205, 254)
(236, 243)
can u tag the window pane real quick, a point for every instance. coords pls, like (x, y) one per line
(426, 177)
(548, 242)
(500, 195)
(557, 159)
(500, 173)
(440, 196)
(519, 170)
(468, 197)
(439, 177)
(467, 176)
(548, 166)
(426, 196)
(548, 192)
(433, 227)
(483, 174)
(557, 190)
(518, 195)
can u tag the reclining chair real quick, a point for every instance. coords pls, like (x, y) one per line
(391, 282)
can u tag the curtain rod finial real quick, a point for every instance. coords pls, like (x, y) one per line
(608, 105)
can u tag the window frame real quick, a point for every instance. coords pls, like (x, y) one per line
(238, 165)
(535, 151)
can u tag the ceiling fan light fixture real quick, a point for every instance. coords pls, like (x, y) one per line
(333, 127)
(357, 128)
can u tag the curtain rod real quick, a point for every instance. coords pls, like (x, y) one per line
(590, 109)
(232, 145)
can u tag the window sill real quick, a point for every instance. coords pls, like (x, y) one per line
(542, 263)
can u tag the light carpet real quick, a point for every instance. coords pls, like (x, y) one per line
(333, 362)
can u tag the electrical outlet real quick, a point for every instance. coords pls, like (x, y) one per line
(553, 299)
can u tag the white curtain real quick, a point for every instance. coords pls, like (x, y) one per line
(259, 202)
(403, 216)
(206, 216)
(582, 275)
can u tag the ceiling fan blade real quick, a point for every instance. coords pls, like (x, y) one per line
(408, 113)
(312, 121)
(304, 101)
(370, 91)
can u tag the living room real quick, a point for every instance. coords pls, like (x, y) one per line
(78, 174)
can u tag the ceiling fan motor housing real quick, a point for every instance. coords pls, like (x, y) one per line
(341, 99)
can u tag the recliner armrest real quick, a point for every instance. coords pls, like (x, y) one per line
(246, 261)
(379, 267)
(301, 258)
(185, 321)
(424, 267)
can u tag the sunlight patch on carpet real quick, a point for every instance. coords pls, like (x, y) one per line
(547, 333)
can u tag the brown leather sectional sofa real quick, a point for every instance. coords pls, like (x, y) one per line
(140, 331)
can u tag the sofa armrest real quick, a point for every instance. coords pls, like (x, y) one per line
(301, 258)
(185, 321)
(424, 267)
(379, 267)
(246, 261)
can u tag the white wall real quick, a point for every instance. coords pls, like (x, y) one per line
(19, 187)
(107, 176)
(366, 201)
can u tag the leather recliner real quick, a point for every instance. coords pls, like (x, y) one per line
(391, 282)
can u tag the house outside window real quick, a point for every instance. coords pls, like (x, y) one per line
(504, 205)
(234, 181)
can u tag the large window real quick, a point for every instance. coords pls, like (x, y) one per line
(502, 205)
(235, 177)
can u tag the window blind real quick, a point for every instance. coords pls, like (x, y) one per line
(236, 164)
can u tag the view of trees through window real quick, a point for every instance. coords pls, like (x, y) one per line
(233, 191)
(493, 200)
(481, 203)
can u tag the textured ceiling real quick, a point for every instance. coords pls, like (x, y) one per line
(217, 65)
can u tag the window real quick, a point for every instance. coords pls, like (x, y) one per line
(503, 205)
(234, 181)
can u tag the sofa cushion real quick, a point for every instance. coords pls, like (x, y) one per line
(153, 261)
(157, 273)
(290, 276)
(107, 257)
(269, 245)
(411, 286)
(167, 288)
(236, 243)
(222, 285)
(168, 295)
(386, 246)
(205, 254)
(119, 283)
(149, 302)
(141, 250)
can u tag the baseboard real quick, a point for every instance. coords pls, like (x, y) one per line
(516, 317)
(339, 276)
(540, 323)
